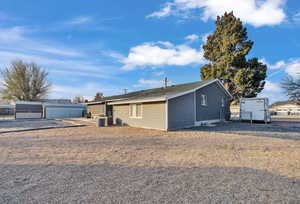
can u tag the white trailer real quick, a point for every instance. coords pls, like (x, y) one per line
(255, 109)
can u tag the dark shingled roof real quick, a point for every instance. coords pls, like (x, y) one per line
(158, 92)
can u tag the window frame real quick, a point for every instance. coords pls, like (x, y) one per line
(204, 101)
(223, 102)
(134, 112)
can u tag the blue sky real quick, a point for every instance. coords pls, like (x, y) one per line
(107, 46)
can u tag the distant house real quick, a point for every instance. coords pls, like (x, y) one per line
(166, 108)
(291, 107)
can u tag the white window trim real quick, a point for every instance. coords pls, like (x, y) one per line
(129, 111)
(223, 102)
(204, 103)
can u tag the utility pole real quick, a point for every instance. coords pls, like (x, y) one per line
(125, 91)
(166, 82)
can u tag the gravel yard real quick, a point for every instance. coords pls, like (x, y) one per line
(33, 124)
(229, 163)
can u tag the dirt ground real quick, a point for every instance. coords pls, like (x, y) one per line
(26, 124)
(230, 163)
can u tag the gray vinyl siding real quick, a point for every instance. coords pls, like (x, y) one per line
(181, 111)
(213, 110)
(153, 116)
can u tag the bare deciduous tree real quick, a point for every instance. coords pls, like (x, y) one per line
(24, 81)
(98, 96)
(291, 87)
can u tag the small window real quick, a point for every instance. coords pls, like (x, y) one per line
(223, 102)
(203, 100)
(135, 110)
(131, 110)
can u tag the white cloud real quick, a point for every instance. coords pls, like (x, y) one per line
(296, 17)
(12, 34)
(192, 37)
(278, 65)
(161, 54)
(293, 68)
(64, 66)
(148, 83)
(273, 91)
(82, 73)
(15, 38)
(114, 54)
(254, 12)
(166, 43)
(161, 73)
(272, 87)
(79, 20)
(273, 96)
(290, 67)
(87, 90)
(204, 37)
(164, 12)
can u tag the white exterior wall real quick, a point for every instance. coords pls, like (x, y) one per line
(28, 115)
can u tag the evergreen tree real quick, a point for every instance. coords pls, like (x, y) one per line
(249, 81)
(226, 51)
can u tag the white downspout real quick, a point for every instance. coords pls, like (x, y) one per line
(167, 115)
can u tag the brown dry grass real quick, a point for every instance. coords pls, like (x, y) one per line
(130, 165)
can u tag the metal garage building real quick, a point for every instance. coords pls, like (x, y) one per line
(28, 110)
(38, 110)
(52, 111)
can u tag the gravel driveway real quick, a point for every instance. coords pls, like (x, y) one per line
(32, 124)
(130, 165)
(277, 129)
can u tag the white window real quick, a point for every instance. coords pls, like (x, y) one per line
(135, 110)
(223, 102)
(203, 100)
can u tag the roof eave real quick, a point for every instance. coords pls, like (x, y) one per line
(199, 87)
(142, 100)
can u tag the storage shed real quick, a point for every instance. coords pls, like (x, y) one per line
(38, 110)
(53, 111)
(28, 110)
(7, 110)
